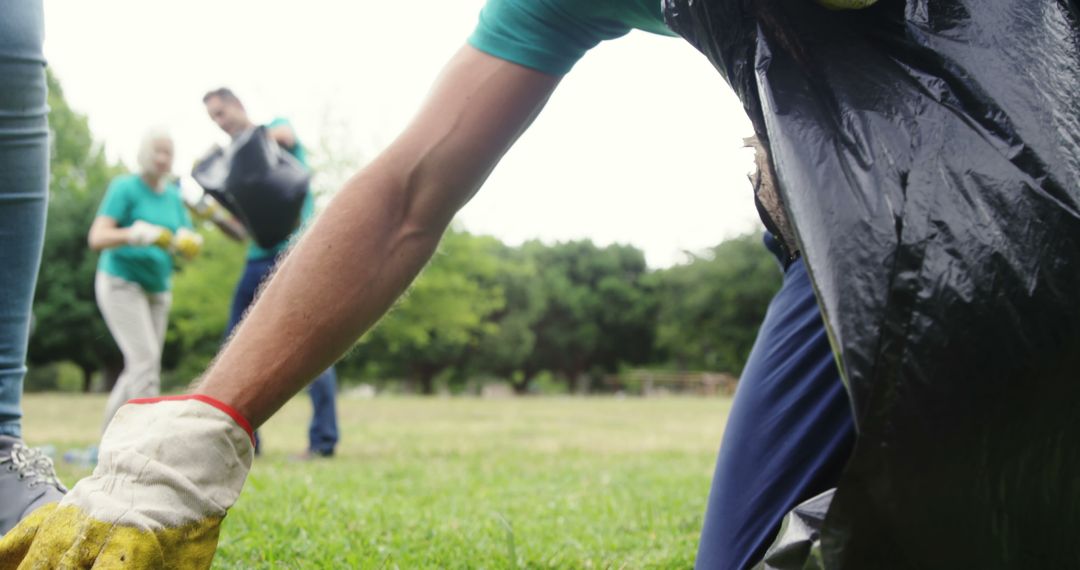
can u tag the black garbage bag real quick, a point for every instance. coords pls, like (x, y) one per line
(798, 544)
(259, 183)
(928, 157)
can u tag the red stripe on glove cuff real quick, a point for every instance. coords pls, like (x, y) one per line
(235, 415)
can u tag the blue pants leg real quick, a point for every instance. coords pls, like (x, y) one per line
(789, 434)
(255, 271)
(24, 185)
(323, 431)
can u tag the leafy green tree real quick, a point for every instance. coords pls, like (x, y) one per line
(67, 323)
(711, 307)
(444, 313)
(506, 350)
(599, 313)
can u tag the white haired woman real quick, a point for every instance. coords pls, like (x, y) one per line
(140, 224)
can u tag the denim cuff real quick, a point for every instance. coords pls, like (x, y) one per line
(13, 429)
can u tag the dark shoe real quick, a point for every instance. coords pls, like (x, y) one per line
(313, 455)
(27, 481)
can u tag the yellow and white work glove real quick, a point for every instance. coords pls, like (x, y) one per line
(168, 470)
(145, 233)
(187, 243)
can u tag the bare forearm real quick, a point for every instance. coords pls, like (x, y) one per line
(102, 238)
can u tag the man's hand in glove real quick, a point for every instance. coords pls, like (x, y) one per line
(168, 470)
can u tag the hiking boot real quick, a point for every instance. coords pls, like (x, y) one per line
(27, 481)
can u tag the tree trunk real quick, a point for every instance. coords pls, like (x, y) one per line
(110, 373)
(427, 384)
(425, 376)
(87, 377)
(521, 387)
(574, 377)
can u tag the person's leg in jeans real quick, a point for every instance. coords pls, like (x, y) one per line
(24, 179)
(323, 431)
(255, 271)
(789, 434)
(134, 320)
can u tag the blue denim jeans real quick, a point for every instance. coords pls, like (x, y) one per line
(323, 431)
(788, 436)
(24, 181)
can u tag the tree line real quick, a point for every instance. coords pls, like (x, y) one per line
(481, 309)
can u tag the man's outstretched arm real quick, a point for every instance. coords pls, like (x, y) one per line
(170, 467)
(376, 234)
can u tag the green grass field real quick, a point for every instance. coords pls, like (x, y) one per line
(461, 483)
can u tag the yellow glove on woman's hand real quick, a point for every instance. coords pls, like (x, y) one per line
(187, 243)
(145, 233)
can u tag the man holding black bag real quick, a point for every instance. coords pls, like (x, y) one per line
(272, 205)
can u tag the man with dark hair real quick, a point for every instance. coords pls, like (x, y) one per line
(221, 92)
(228, 112)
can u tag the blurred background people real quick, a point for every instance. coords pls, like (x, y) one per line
(228, 112)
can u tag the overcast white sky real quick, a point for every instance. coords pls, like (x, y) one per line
(641, 143)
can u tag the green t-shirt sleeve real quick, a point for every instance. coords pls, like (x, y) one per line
(279, 122)
(117, 203)
(545, 35)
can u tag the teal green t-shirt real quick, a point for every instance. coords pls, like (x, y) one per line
(552, 35)
(128, 199)
(306, 210)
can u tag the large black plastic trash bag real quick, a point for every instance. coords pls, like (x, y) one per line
(262, 185)
(928, 156)
(798, 544)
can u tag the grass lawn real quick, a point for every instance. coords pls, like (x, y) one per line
(460, 483)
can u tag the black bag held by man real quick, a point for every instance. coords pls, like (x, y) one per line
(259, 183)
(928, 157)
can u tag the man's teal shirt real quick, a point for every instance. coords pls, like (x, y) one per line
(552, 35)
